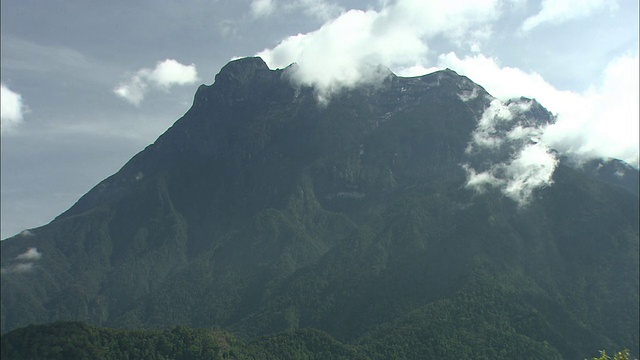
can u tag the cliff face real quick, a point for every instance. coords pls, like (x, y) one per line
(261, 210)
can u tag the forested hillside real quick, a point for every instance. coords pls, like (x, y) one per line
(348, 229)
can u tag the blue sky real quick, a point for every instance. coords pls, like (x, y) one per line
(88, 84)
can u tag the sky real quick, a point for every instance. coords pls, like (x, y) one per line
(88, 84)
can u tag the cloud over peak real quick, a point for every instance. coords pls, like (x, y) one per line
(342, 53)
(601, 122)
(346, 50)
(166, 74)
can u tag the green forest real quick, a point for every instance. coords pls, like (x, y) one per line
(75, 340)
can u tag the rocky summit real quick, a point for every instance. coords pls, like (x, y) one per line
(349, 228)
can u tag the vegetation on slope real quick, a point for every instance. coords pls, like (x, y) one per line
(346, 227)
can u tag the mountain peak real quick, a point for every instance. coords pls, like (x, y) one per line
(262, 212)
(241, 70)
(245, 63)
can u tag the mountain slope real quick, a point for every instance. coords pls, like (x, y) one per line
(261, 211)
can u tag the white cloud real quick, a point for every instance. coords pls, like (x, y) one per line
(345, 51)
(486, 134)
(166, 74)
(600, 122)
(134, 90)
(26, 264)
(11, 109)
(560, 11)
(531, 169)
(414, 70)
(508, 152)
(171, 72)
(479, 181)
(17, 268)
(31, 254)
(22, 267)
(603, 122)
(261, 8)
(505, 82)
(27, 233)
(317, 9)
(228, 28)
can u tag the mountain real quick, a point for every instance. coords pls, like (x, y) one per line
(614, 172)
(268, 214)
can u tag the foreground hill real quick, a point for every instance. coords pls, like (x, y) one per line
(261, 212)
(73, 340)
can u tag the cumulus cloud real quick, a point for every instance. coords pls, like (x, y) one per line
(601, 122)
(11, 109)
(170, 72)
(166, 74)
(345, 51)
(560, 11)
(31, 254)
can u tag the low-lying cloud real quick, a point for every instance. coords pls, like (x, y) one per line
(31, 254)
(27, 233)
(17, 268)
(166, 74)
(601, 122)
(507, 152)
(23, 262)
(11, 109)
